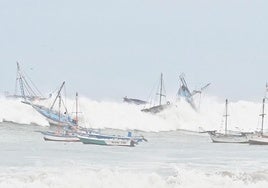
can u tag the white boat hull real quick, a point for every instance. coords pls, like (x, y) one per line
(61, 138)
(227, 138)
(258, 140)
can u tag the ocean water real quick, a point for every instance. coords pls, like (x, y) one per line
(176, 155)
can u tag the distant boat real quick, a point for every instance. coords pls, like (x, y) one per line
(185, 92)
(260, 138)
(160, 106)
(134, 101)
(28, 90)
(56, 117)
(228, 136)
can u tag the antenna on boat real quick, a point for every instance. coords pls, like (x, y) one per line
(262, 115)
(226, 115)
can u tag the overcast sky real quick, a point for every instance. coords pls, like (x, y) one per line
(107, 49)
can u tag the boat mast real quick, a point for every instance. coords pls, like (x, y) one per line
(20, 81)
(226, 114)
(161, 88)
(58, 95)
(76, 112)
(262, 115)
(59, 107)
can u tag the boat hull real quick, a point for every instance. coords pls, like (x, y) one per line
(258, 140)
(61, 138)
(227, 138)
(106, 142)
(156, 109)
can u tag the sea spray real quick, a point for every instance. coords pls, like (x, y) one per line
(244, 115)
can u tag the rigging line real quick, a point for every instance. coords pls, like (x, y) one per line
(28, 87)
(35, 87)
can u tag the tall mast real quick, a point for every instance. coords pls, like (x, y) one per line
(76, 111)
(161, 88)
(20, 81)
(59, 107)
(226, 114)
(262, 115)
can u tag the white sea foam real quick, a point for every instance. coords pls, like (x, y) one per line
(244, 115)
(114, 178)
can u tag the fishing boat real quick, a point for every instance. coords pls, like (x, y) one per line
(56, 117)
(228, 136)
(106, 141)
(28, 90)
(60, 136)
(260, 138)
(160, 106)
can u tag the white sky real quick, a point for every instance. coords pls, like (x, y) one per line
(108, 49)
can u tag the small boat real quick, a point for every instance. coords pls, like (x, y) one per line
(160, 106)
(61, 137)
(106, 141)
(228, 136)
(260, 138)
(28, 90)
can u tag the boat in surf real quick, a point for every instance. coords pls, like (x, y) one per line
(184, 92)
(160, 106)
(28, 90)
(56, 117)
(260, 138)
(134, 101)
(228, 136)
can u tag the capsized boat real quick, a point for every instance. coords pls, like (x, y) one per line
(106, 141)
(184, 92)
(160, 106)
(228, 136)
(260, 138)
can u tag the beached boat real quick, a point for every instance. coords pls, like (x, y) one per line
(260, 138)
(160, 106)
(228, 136)
(106, 141)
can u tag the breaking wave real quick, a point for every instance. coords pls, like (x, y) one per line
(244, 115)
(114, 178)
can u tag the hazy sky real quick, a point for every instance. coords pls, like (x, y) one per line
(107, 49)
